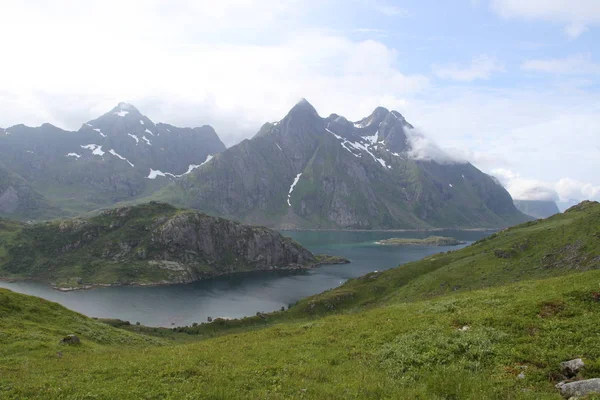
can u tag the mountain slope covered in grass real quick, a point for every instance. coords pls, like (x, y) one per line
(406, 333)
(559, 245)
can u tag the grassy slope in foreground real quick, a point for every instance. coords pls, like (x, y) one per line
(402, 350)
(397, 348)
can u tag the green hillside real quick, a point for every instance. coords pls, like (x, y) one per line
(153, 243)
(491, 321)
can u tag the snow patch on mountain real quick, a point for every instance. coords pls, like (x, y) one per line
(149, 131)
(278, 146)
(100, 132)
(122, 113)
(146, 140)
(137, 140)
(292, 188)
(96, 150)
(74, 155)
(141, 122)
(114, 153)
(360, 147)
(155, 173)
(373, 139)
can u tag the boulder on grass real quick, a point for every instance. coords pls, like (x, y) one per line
(70, 339)
(580, 388)
(572, 367)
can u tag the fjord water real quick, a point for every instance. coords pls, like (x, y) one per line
(245, 294)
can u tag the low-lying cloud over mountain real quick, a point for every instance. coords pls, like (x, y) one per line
(563, 190)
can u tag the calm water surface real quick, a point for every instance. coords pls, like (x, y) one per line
(244, 295)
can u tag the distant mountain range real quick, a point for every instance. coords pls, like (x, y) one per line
(113, 158)
(306, 171)
(303, 171)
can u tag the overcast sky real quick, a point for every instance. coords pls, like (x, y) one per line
(512, 85)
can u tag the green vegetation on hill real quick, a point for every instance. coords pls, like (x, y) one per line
(152, 243)
(559, 245)
(491, 321)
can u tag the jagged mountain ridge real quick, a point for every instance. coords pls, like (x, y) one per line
(305, 171)
(112, 158)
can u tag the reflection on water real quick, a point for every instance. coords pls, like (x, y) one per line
(245, 294)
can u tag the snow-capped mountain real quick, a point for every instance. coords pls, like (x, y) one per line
(112, 158)
(305, 171)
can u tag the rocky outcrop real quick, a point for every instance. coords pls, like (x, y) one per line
(194, 236)
(572, 367)
(145, 245)
(580, 388)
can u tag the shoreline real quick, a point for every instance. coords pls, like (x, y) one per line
(389, 230)
(89, 286)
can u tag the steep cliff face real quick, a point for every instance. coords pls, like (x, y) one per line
(118, 156)
(306, 171)
(147, 244)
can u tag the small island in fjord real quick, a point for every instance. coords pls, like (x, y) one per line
(429, 241)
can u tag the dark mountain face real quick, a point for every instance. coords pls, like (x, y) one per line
(537, 208)
(311, 172)
(116, 157)
(19, 199)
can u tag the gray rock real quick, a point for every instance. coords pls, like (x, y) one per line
(70, 339)
(580, 388)
(521, 375)
(570, 368)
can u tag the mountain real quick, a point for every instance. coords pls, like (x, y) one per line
(146, 244)
(537, 208)
(468, 324)
(116, 157)
(311, 172)
(19, 199)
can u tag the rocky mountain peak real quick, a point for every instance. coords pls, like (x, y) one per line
(125, 109)
(303, 108)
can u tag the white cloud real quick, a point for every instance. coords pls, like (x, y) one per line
(525, 189)
(161, 59)
(575, 29)
(481, 67)
(390, 10)
(423, 148)
(573, 189)
(563, 190)
(576, 15)
(576, 65)
(545, 134)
